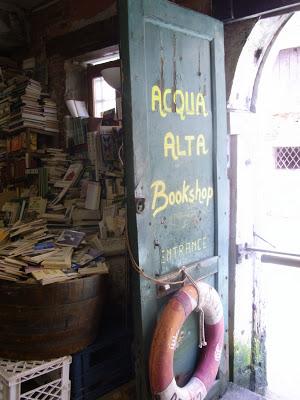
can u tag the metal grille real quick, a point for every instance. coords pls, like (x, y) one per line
(287, 157)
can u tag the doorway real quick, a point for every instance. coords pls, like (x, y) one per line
(266, 143)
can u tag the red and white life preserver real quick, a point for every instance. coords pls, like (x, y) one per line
(162, 380)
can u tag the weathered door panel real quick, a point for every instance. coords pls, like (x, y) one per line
(175, 122)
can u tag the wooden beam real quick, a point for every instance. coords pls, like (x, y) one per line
(92, 37)
(222, 9)
(203, 6)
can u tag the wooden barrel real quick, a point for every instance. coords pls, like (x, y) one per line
(42, 322)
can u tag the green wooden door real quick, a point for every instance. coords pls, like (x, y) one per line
(175, 121)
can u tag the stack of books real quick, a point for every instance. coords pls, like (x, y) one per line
(4, 113)
(26, 111)
(77, 130)
(50, 114)
(29, 252)
(56, 162)
(2, 148)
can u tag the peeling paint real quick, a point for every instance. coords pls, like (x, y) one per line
(162, 62)
(174, 70)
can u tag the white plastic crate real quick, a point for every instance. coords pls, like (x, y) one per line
(13, 375)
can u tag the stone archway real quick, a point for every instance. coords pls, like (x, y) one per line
(248, 46)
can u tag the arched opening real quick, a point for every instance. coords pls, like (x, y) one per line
(265, 176)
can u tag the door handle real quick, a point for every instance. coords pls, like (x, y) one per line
(289, 262)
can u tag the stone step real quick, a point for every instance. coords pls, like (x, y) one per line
(235, 392)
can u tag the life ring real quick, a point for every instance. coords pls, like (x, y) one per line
(182, 304)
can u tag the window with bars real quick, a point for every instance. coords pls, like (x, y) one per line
(287, 157)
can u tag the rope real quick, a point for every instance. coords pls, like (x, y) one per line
(161, 282)
(140, 271)
(199, 309)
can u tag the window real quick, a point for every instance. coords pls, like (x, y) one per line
(287, 157)
(104, 97)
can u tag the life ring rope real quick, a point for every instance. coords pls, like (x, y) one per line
(181, 305)
(202, 341)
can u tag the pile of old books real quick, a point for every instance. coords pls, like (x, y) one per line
(50, 114)
(69, 229)
(4, 113)
(23, 105)
(56, 162)
(26, 111)
(28, 252)
(2, 148)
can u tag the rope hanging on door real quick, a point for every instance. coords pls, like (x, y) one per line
(140, 271)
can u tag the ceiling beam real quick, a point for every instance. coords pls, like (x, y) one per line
(43, 4)
(229, 10)
(92, 37)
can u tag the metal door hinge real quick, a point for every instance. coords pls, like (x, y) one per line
(244, 251)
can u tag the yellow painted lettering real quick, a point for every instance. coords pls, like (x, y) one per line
(190, 103)
(159, 193)
(157, 101)
(198, 194)
(185, 191)
(189, 140)
(178, 197)
(210, 193)
(186, 194)
(167, 108)
(186, 103)
(192, 196)
(178, 99)
(172, 198)
(181, 153)
(169, 145)
(201, 145)
(200, 105)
